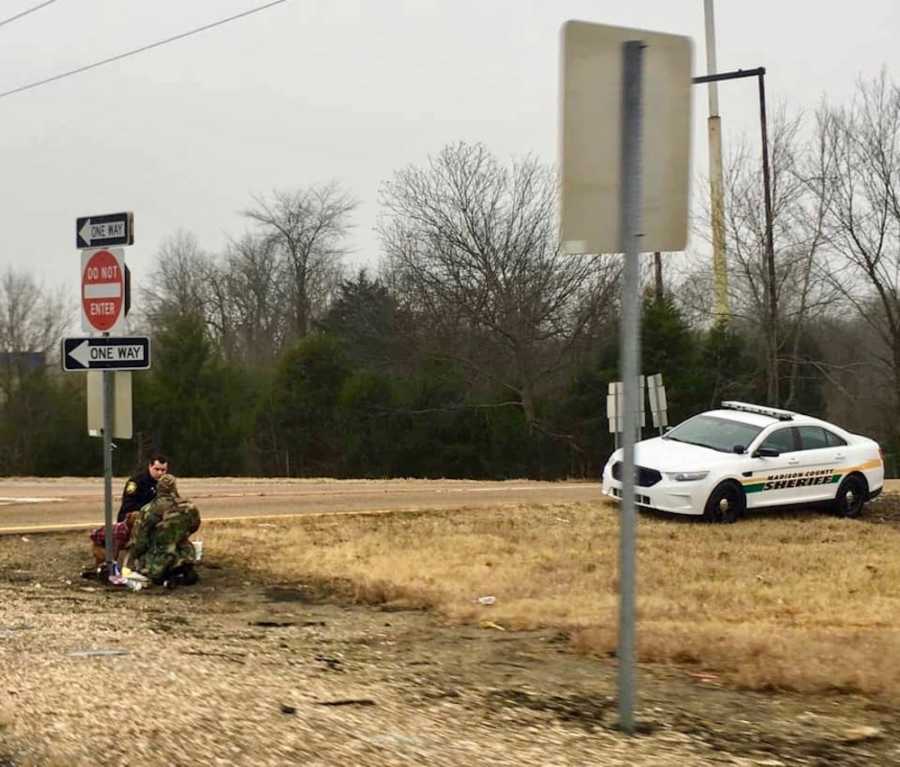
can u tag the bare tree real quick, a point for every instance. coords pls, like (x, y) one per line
(189, 281)
(861, 174)
(800, 239)
(181, 281)
(307, 227)
(32, 318)
(472, 247)
(32, 321)
(253, 284)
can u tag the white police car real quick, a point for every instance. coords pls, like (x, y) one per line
(723, 462)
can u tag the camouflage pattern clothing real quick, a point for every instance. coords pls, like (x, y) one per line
(160, 544)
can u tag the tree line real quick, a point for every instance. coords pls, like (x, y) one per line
(478, 348)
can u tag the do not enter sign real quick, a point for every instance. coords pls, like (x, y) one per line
(102, 289)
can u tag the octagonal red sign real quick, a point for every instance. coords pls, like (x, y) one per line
(102, 289)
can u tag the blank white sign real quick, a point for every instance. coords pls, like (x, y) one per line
(591, 96)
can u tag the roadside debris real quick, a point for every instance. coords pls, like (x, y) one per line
(486, 600)
(332, 663)
(272, 624)
(863, 732)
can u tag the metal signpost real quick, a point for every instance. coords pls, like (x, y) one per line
(625, 176)
(104, 304)
(630, 361)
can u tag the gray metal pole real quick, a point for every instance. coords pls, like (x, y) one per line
(630, 355)
(108, 394)
(774, 393)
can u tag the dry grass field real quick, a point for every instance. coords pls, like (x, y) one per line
(357, 639)
(796, 601)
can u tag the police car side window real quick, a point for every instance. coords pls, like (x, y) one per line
(833, 439)
(782, 440)
(812, 437)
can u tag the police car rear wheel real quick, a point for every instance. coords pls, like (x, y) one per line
(851, 496)
(725, 504)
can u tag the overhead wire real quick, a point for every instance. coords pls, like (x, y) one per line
(135, 51)
(26, 12)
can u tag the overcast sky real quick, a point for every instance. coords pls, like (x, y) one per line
(313, 90)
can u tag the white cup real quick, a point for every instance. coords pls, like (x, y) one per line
(198, 550)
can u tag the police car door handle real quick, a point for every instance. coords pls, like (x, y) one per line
(793, 461)
(839, 457)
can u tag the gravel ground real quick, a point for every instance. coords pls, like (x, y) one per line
(236, 671)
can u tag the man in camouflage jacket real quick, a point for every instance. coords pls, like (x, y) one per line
(160, 540)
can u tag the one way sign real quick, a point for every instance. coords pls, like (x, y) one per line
(104, 231)
(106, 353)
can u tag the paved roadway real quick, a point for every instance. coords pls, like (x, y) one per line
(31, 505)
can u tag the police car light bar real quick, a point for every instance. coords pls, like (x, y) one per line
(772, 412)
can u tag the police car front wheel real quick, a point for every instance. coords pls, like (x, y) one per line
(851, 496)
(725, 504)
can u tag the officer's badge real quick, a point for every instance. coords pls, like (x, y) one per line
(130, 487)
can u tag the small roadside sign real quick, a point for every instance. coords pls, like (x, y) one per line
(106, 353)
(659, 406)
(615, 410)
(102, 289)
(104, 231)
(122, 426)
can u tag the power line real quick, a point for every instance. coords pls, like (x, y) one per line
(143, 48)
(25, 13)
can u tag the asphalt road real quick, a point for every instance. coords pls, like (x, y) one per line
(31, 505)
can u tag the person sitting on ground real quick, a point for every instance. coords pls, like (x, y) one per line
(121, 535)
(140, 489)
(160, 545)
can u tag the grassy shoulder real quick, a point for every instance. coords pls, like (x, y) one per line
(797, 601)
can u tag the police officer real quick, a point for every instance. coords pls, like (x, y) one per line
(141, 488)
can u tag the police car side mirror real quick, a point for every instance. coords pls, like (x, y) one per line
(766, 452)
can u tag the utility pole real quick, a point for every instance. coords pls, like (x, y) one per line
(658, 277)
(722, 310)
(774, 389)
(768, 256)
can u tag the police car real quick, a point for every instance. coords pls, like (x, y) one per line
(723, 462)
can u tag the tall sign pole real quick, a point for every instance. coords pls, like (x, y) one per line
(630, 355)
(625, 119)
(104, 299)
(107, 464)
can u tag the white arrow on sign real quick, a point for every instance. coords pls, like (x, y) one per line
(81, 353)
(85, 232)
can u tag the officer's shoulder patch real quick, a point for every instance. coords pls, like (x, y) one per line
(131, 487)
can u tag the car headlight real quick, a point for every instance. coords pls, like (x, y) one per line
(687, 476)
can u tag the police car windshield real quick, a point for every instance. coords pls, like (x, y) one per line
(720, 434)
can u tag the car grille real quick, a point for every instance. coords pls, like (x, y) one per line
(642, 500)
(644, 477)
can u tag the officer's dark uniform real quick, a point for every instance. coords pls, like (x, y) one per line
(139, 490)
